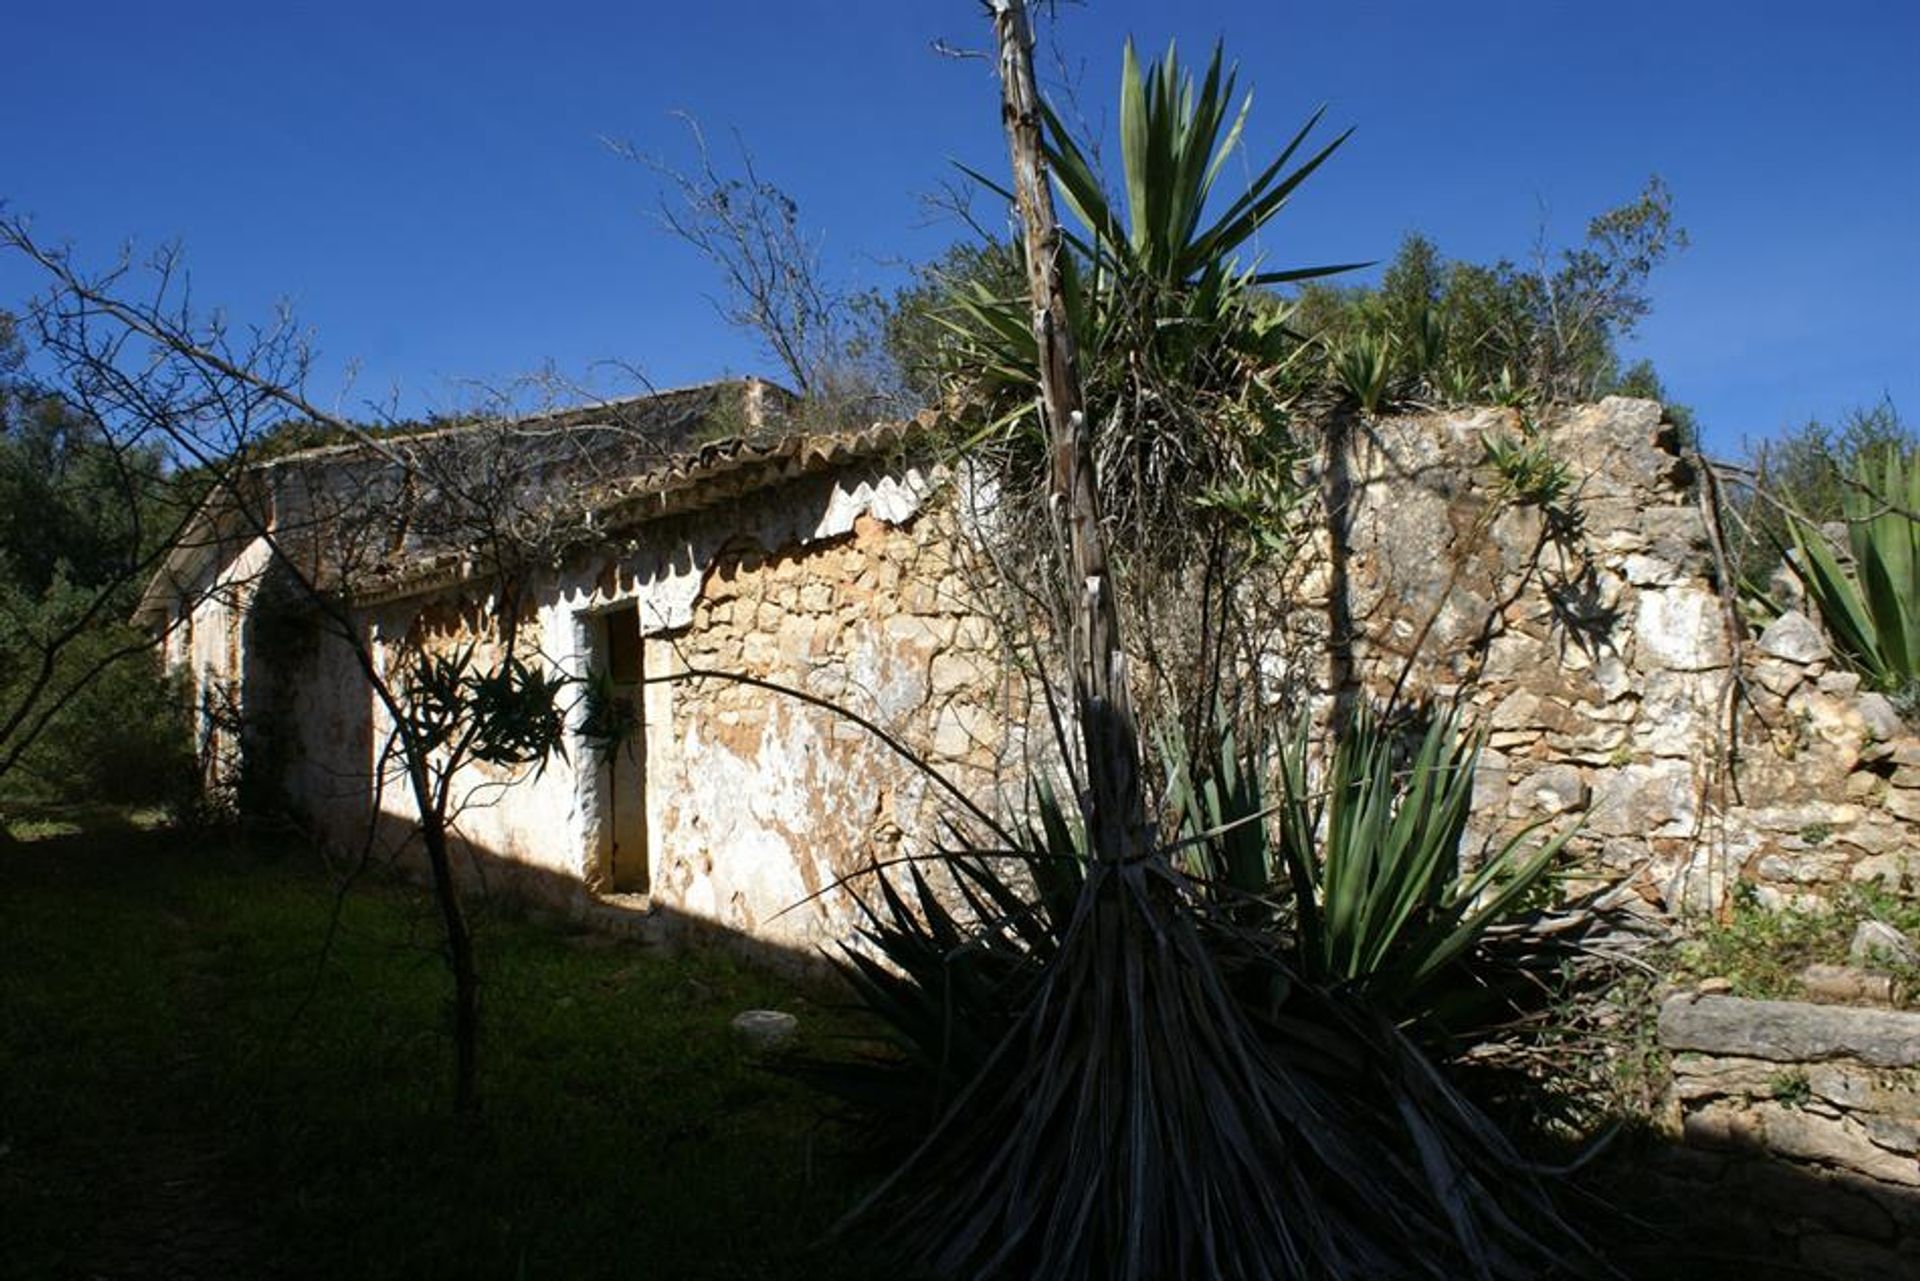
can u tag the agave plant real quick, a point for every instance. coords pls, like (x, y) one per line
(1871, 609)
(1455, 382)
(1430, 339)
(1509, 388)
(1526, 470)
(1362, 367)
(1359, 865)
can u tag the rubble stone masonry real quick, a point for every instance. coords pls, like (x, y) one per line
(1615, 681)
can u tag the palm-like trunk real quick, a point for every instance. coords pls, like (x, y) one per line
(1109, 737)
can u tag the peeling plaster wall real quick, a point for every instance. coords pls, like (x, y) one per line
(209, 642)
(842, 586)
(758, 803)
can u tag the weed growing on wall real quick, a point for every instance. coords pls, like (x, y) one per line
(1761, 950)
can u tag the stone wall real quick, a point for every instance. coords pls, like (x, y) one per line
(1803, 1123)
(1591, 641)
(1615, 683)
(1829, 775)
(759, 801)
(736, 805)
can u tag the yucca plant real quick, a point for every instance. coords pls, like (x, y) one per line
(1372, 850)
(1174, 141)
(1178, 341)
(947, 973)
(1140, 1090)
(1234, 1028)
(1087, 1084)
(1871, 609)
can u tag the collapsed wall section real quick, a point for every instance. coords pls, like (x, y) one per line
(1589, 636)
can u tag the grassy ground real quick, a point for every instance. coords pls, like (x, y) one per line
(186, 1088)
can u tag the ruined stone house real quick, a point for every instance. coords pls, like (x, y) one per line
(819, 563)
(1619, 688)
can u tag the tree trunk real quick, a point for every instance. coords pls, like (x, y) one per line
(466, 977)
(1115, 813)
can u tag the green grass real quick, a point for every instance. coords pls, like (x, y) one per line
(176, 1058)
(37, 821)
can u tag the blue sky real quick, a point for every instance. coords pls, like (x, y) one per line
(428, 186)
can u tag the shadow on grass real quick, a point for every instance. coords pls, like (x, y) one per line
(188, 1088)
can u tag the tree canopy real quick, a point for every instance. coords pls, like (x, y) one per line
(84, 713)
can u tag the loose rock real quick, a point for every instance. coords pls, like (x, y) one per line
(765, 1030)
(1882, 721)
(1877, 943)
(1794, 637)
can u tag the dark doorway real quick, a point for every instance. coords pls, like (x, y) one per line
(626, 782)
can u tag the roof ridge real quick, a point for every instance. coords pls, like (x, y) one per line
(558, 416)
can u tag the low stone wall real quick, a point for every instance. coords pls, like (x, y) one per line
(1802, 1122)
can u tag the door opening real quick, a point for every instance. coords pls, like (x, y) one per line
(625, 790)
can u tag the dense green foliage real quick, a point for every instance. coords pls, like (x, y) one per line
(1805, 473)
(202, 1074)
(921, 344)
(1453, 332)
(84, 712)
(1432, 329)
